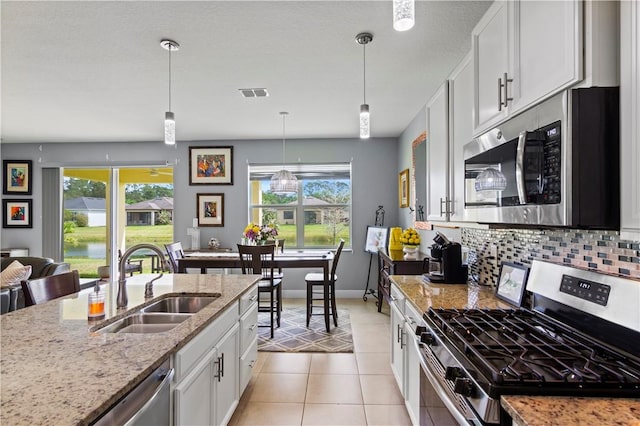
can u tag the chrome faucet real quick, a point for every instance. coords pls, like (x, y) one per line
(122, 299)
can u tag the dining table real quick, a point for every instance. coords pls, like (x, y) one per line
(288, 259)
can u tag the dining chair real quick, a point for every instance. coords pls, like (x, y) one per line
(259, 260)
(315, 289)
(43, 289)
(174, 252)
(132, 265)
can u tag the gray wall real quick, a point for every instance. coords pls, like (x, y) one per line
(413, 130)
(375, 177)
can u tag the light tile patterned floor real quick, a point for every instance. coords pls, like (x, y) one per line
(328, 389)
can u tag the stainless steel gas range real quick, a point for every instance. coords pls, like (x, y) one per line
(581, 338)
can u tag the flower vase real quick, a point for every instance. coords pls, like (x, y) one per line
(410, 252)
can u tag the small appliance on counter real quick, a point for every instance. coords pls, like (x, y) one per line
(446, 264)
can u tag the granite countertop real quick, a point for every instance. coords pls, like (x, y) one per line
(425, 295)
(524, 410)
(54, 369)
(552, 411)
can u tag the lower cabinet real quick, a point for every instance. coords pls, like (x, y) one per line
(214, 368)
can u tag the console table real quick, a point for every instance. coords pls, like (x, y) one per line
(392, 262)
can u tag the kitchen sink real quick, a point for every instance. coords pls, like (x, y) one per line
(145, 323)
(180, 304)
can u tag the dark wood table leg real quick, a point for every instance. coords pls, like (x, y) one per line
(326, 295)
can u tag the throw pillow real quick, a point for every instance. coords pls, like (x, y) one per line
(14, 273)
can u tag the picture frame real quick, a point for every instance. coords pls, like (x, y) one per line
(17, 213)
(403, 188)
(377, 237)
(210, 208)
(512, 282)
(211, 165)
(17, 177)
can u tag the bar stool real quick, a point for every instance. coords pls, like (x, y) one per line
(315, 290)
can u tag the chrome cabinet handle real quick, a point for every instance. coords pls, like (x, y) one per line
(253, 298)
(499, 94)
(506, 84)
(222, 365)
(252, 363)
(441, 202)
(252, 327)
(399, 338)
(218, 372)
(402, 343)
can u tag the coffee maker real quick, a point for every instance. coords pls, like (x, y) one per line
(445, 264)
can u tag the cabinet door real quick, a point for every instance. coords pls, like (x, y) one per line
(227, 377)
(461, 131)
(397, 356)
(194, 395)
(438, 155)
(546, 48)
(489, 41)
(412, 375)
(629, 123)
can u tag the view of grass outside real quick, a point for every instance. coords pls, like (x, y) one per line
(88, 266)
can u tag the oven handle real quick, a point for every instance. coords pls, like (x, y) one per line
(522, 141)
(437, 386)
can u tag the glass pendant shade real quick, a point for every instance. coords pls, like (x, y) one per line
(403, 14)
(491, 179)
(169, 128)
(283, 182)
(364, 121)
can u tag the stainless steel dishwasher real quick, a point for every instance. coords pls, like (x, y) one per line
(147, 404)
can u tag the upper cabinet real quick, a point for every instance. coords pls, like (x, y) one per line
(629, 123)
(438, 155)
(523, 52)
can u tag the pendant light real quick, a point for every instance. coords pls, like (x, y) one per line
(365, 122)
(491, 179)
(169, 117)
(283, 182)
(404, 14)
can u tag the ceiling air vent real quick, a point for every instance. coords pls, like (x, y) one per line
(254, 93)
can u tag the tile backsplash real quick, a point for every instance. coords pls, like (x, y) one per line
(602, 251)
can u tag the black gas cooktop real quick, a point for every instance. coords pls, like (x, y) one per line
(514, 351)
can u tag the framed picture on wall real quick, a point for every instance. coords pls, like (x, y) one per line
(376, 238)
(512, 282)
(403, 188)
(16, 177)
(17, 214)
(211, 165)
(210, 209)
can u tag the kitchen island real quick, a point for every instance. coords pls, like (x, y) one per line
(524, 410)
(56, 369)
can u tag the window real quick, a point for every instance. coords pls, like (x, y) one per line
(318, 216)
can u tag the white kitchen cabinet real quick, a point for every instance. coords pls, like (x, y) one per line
(460, 132)
(226, 379)
(629, 122)
(438, 155)
(524, 51)
(412, 363)
(193, 397)
(396, 305)
(489, 41)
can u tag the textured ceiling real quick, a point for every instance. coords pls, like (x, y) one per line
(89, 71)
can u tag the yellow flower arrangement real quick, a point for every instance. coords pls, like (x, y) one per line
(410, 237)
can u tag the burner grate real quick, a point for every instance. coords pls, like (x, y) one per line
(517, 346)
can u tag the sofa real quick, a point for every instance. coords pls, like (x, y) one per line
(11, 297)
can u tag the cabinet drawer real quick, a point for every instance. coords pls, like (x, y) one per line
(248, 327)
(397, 298)
(251, 296)
(247, 363)
(204, 342)
(413, 315)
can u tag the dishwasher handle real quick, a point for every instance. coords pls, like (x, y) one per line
(157, 394)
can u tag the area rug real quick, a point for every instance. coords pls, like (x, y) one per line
(294, 336)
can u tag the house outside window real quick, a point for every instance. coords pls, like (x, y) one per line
(317, 216)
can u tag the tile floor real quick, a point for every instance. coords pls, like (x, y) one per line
(328, 389)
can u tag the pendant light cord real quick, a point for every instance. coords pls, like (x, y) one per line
(364, 72)
(283, 143)
(170, 48)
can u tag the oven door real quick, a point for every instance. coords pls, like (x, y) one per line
(439, 404)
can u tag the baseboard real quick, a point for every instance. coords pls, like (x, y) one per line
(340, 294)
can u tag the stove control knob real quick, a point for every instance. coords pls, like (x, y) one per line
(464, 387)
(453, 373)
(427, 339)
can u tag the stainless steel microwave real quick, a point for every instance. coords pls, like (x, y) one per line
(556, 164)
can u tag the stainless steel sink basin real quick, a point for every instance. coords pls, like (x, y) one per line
(145, 323)
(180, 304)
